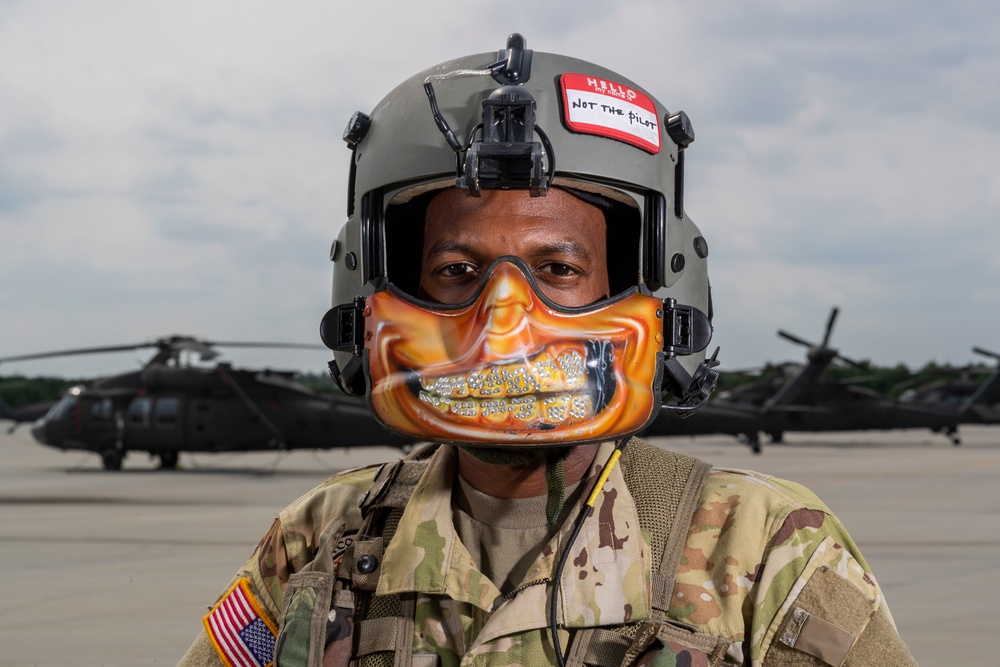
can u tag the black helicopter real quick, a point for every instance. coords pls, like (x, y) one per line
(167, 408)
(977, 401)
(804, 401)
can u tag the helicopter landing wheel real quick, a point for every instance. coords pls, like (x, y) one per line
(112, 459)
(168, 460)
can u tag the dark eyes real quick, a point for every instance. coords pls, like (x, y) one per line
(548, 271)
(458, 270)
(558, 269)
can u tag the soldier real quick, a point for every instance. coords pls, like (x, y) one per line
(519, 283)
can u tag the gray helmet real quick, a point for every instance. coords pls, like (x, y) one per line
(517, 119)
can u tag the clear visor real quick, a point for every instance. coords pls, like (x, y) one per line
(412, 232)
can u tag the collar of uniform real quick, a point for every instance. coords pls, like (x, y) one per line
(606, 580)
(425, 554)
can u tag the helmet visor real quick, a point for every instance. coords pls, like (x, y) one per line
(404, 227)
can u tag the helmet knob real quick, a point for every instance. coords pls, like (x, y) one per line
(357, 128)
(680, 129)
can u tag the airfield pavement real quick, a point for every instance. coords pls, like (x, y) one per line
(117, 568)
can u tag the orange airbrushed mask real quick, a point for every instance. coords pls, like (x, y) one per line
(511, 368)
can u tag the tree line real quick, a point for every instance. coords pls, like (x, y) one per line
(17, 390)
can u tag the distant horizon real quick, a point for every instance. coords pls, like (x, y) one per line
(980, 365)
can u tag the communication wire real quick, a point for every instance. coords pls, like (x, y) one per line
(580, 520)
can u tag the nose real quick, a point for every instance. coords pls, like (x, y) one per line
(506, 297)
(507, 302)
(38, 431)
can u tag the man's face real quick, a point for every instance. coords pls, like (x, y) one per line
(559, 237)
(509, 368)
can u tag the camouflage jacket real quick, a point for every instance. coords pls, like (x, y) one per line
(766, 566)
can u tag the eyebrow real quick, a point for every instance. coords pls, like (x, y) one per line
(447, 245)
(570, 248)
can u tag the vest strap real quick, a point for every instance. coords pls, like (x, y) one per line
(377, 635)
(606, 648)
(674, 547)
(666, 488)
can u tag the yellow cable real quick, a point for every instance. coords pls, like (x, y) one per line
(612, 461)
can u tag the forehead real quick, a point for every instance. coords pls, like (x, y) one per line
(512, 214)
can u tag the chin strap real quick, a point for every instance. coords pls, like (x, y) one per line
(697, 388)
(555, 480)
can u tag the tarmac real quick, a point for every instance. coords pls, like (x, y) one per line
(117, 568)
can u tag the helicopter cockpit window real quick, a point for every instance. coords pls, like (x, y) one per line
(138, 412)
(64, 408)
(166, 412)
(101, 410)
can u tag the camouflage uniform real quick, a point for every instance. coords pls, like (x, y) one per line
(765, 566)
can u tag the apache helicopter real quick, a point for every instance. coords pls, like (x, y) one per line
(167, 408)
(805, 402)
(978, 402)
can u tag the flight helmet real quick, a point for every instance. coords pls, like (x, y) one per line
(524, 120)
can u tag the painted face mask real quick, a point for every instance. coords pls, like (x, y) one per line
(510, 367)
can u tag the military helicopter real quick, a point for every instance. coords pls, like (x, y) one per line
(978, 402)
(806, 402)
(167, 407)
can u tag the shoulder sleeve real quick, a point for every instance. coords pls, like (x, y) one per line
(287, 546)
(816, 601)
(201, 654)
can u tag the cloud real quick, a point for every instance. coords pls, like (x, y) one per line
(179, 167)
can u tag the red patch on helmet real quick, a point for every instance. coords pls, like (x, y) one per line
(592, 105)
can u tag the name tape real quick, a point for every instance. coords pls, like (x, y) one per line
(604, 108)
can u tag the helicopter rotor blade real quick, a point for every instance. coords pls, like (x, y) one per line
(829, 325)
(82, 350)
(859, 379)
(170, 344)
(794, 338)
(977, 350)
(851, 362)
(300, 346)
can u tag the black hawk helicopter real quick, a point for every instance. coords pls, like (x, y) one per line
(166, 408)
(804, 401)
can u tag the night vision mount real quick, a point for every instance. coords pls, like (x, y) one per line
(505, 155)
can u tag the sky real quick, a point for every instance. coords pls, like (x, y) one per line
(178, 168)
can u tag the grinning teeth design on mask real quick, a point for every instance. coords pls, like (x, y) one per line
(558, 386)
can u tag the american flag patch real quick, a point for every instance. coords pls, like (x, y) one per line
(240, 629)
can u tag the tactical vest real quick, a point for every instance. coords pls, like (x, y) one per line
(321, 608)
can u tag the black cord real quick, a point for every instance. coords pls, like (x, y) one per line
(580, 520)
(554, 599)
(551, 154)
(439, 120)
